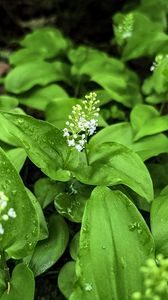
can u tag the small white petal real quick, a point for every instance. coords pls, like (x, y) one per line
(11, 213)
(1, 229)
(79, 148)
(5, 217)
(71, 142)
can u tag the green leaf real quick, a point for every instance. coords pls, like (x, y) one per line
(158, 172)
(17, 157)
(112, 164)
(46, 190)
(39, 97)
(21, 233)
(71, 203)
(122, 133)
(2, 282)
(22, 284)
(144, 42)
(159, 222)
(123, 88)
(107, 265)
(58, 110)
(43, 229)
(47, 252)
(8, 102)
(74, 246)
(44, 145)
(145, 120)
(25, 76)
(5, 134)
(23, 56)
(46, 41)
(67, 279)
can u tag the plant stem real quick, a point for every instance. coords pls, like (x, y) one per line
(86, 153)
(6, 270)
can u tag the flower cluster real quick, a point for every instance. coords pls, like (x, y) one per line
(82, 122)
(155, 279)
(158, 60)
(125, 29)
(5, 213)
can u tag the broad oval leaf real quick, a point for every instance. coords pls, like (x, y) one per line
(146, 120)
(112, 164)
(47, 252)
(46, 41)
(21, 233)
(44, 144)
(122, 133)
(22, 284)
(108, 267)
(67, 279)
(159, 222)
(25, 76)
(39, 97)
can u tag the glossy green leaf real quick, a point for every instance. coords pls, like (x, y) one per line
(24, 55)
(39, 97)
(46, 41)
(145, 121)
(44, 145)
(43, 229)
(107, 265)
(71, 203)
(25, 76)
(154, 39)
(8, 102)
(58, 110)
(46, 190)
(67, 279)
(158, 172)
(47, 252)
(159, 222)
(74, 246)
(17, 157)
(112, 164)
(122, 133)
(22, 285)
(21, 233)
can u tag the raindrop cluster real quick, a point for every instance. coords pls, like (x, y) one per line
(82, 122)
(155, 275)
(5, 211)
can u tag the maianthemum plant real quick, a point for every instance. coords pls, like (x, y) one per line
(102, 149)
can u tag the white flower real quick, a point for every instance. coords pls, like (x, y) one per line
(79, 147)
(66, 133)
(5, 217)
(3, 204)
(1, 229)
(71, 142)
(83, 122)
(3, 196)
(11, 213)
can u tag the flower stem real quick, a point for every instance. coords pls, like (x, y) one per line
(86, 154)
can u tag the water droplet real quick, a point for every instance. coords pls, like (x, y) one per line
(20, 121)
(88, 287)
(104, 247)
(123, 262)
(14, 192)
